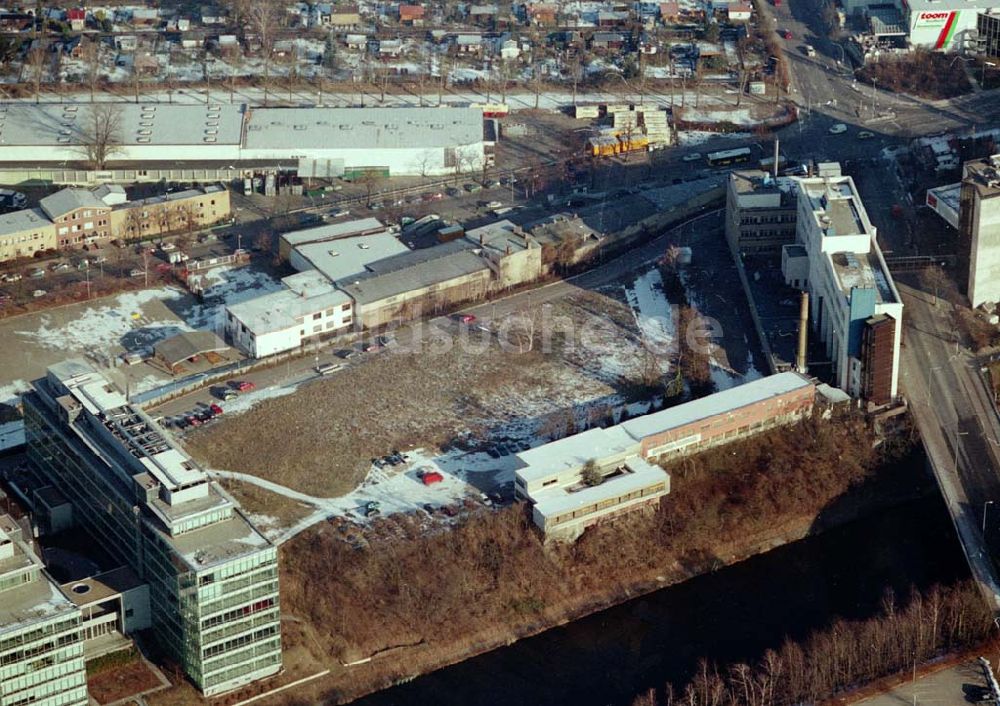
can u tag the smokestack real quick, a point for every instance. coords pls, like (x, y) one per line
(800, 356)
(776, 152)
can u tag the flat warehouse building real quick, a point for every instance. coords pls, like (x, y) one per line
(558, 478)
(949, 26)
(212, 577)
(312, 142)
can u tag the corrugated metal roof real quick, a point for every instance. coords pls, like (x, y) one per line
(357, 128)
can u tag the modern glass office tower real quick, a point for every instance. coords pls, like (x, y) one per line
(213, 578)
(41, 648)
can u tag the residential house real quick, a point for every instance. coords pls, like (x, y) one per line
(608, 18)
(670, 12)
(126, 42)
(77, 18)
(739, 12)
(145, 17)
(80, 217)
(411, 15)
(608, 41)
(542, 15)
(356, 42)
(211, 15)
(469, 43)
(483, 15)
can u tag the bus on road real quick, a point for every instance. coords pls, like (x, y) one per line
(737, 156)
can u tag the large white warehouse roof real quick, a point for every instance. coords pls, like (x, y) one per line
(66, 124)
(358, 128)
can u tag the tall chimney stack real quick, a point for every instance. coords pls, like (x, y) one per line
(776, 153)
(800, 355)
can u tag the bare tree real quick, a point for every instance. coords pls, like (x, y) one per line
(369, 179)
(38, 59)
(536, 84)
(262, 17)
(91, 55)
(934, 278)
(102, 134)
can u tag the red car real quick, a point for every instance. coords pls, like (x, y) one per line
(193, 420)
(216, 409)
(244, 385)
(467, 318)
(786, 34)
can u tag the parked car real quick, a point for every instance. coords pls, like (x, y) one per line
(808, 50)
(216, 409)
(225, 393)
(193, 420)
(167, 247)
(693, 157)
(452, 191)
(467, 318)
(59, 266)
(243, 385)
(866, 135)
(435, 196)
(346, 353)
(137, 273)
(39, 293)
(472, 187)
(328, 368)
(838, 129)
(371, 347)
(36, 273)
(10, 277)
(785, 34)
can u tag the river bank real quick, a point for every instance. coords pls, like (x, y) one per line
(904, 481)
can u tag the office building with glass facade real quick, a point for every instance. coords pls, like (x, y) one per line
(212, 576)
(41, 648)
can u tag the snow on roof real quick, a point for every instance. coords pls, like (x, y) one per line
(718, 403)
(573, 451)
(640, 474)
(362, 128)
(333, 230)
(345, 258)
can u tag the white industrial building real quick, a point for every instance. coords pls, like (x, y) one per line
(552, 476)
(309, 307)
(946, 26)
(854, 305)
(342, 260)
(328, 231)
(312, 142)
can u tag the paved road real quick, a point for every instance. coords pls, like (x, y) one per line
(959, 427)
(946, 687)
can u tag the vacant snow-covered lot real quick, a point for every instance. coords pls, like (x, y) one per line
(104, 328)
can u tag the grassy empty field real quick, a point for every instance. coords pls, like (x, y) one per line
(321, 440)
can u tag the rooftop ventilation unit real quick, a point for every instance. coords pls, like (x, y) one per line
(210, 139)
(143, 140)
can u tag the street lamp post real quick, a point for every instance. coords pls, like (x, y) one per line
(985, 505)
(874, 99)
(985, 64)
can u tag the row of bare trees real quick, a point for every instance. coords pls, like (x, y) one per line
(843, 655)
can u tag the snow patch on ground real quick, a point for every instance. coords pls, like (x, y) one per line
(10, 394)
(653, 312)
(692, 138)
(121, 321)
(224, 286)
(247, 400)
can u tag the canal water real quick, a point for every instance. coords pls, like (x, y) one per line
(729, 616)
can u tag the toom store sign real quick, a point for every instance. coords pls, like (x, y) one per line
(944, 22)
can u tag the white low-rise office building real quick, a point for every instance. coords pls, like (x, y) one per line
(307, 309)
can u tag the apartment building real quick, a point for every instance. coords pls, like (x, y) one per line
(838, 261)
(558, 478)
(979, 224)
(212, 577)
(80, 217)
(760, 212)
(24, 233)
(41, 647)
(309, 308)
(180, 211)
